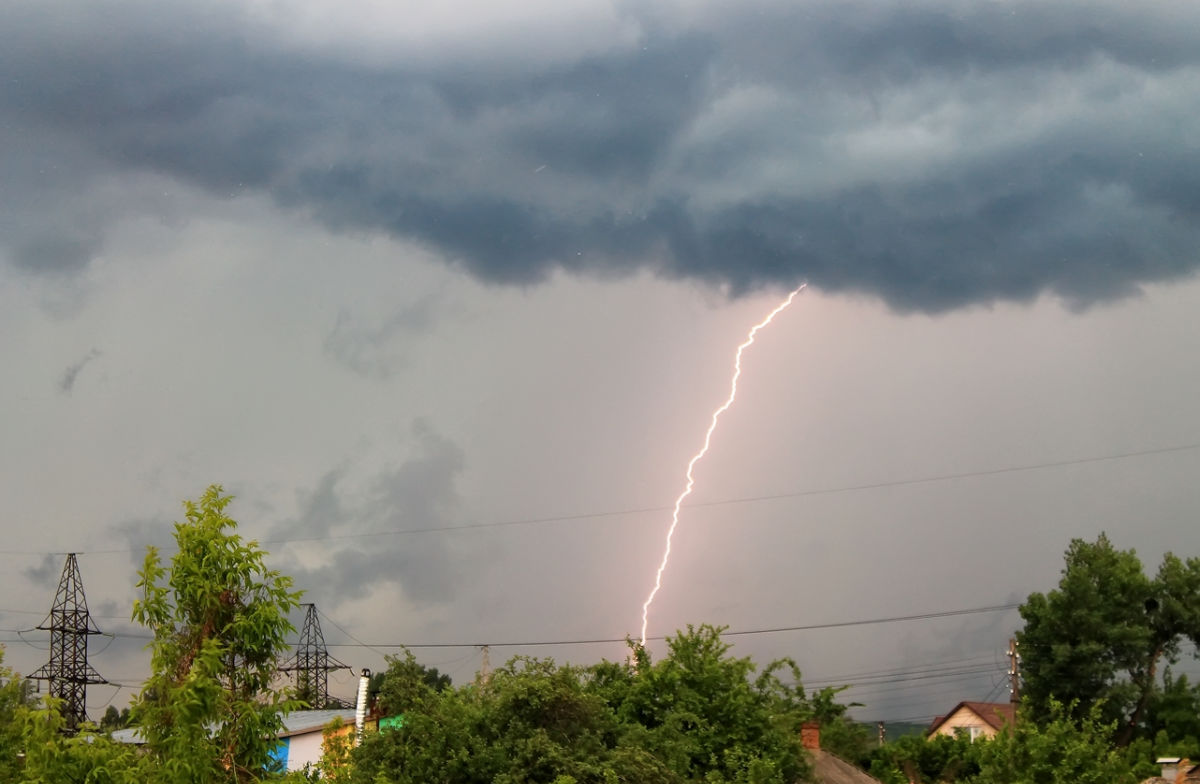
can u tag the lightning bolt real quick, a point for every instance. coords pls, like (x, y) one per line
(691, 480)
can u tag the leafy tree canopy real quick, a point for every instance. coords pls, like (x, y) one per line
(1064, 749)
(1099, 637)
(921, 760)
(697, 715)
(12, 699)
(209, 712)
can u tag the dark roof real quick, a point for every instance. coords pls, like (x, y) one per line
(832, 769)
(995, 714)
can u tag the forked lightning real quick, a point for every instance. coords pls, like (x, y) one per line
(691, 481)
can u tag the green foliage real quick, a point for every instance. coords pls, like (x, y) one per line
(12, 699)
(114, 719)
(220, 620)
(694, 716)
(1065, 749)
(406, 680)
(914, 758)
(1098, 638)
(1173, 717)
(533, 722)
(53, 757)
(840, 734)
(703, 715)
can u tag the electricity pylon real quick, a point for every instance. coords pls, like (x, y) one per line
(69, 625)
(312, 665)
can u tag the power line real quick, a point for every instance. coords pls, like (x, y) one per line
(609, 640)
(650, 509)
(743, 499)
(869, 689)
(903, 676)
(959, 662)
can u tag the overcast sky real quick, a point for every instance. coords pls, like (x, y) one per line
(395, 267)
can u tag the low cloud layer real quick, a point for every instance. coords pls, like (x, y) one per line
(338, 557)
(930, 154)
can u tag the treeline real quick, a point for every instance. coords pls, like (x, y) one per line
(1101, 701)
(698, 714)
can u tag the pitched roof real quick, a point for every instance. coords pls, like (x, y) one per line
(995, 714)
(832, 769)
(301, 721)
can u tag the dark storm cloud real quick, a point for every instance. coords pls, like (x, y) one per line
(419, 493)
(47, 572)
(1061, 156)
(54, 254)
(67, 383)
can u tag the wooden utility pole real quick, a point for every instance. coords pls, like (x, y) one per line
(1014, 672)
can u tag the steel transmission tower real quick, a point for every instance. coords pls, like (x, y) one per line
(69, 625)
(312, 665)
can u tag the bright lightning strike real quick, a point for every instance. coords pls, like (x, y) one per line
(691, 481)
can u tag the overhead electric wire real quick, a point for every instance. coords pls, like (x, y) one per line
(698, 504)
(894, 671)
(609, 640)
(902, 677)
(338, 626)
(871, 689)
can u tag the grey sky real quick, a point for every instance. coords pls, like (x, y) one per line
(419, 269)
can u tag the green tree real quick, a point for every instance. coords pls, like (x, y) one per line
(209, 712)
(840, 734)
(1099, 638)
(915, 758)
(12, 700)
(53, 757)
(1064, 749)
(699, 710)
(114, 719)
(1174, 713)
(404, 680)
(697, 715)
(533, 723)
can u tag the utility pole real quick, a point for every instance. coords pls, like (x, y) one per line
(1014, 672)
(69, 625)
(312, 665)
(485, 667)
(882, 732)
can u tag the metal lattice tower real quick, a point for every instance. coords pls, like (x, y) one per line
(312, 665)
(69, 625)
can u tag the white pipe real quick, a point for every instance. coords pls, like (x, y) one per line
(360, 709)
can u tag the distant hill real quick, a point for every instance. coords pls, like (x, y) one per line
(896, 729)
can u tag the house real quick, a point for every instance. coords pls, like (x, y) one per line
(1176, 771)
(301, 740)
(829, 768)
(976, 719)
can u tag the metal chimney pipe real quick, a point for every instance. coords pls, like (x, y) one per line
(360, 708)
